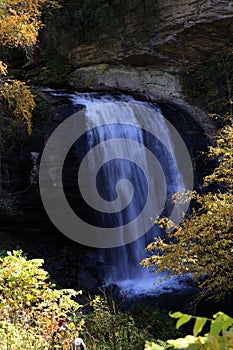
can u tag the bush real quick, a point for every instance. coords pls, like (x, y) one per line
(109, 328)
(156, 323)
(220, 335)
(210, 81)
(31, 308)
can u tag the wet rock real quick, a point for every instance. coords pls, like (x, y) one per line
(86, 280)
(148, 83)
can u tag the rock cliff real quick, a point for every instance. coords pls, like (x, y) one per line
(181, 33)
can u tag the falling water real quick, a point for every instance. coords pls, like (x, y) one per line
(123, 183)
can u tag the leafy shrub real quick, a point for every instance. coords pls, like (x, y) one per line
(220, 335)
(156, 323)
(95, 16)
(212, 81)
(20, 22)
(19, 100)
(92, 19)
(31, 307)
(109, 328)
(57, 68)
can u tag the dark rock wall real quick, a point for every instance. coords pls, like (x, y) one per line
(181, 33)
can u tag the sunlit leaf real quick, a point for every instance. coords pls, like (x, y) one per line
(199, 324)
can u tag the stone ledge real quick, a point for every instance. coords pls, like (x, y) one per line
(151, 84)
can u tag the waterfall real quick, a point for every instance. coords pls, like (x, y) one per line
(128, 153)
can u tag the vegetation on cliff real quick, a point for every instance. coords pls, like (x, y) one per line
(209, 83)
(20, 22)
(91, 19)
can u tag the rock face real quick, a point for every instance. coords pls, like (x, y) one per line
(182, 33)
(191, 29)
(148, 83)
(138, 79)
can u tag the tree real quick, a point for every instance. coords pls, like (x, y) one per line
(203, 243)
(20, 22)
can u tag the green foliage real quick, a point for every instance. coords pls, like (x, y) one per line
(30, 305)
(212, 80)
(109, 328)
(156, 323)
(202, 245)
(56, 67)
(95, 17)
(220, 335)
(155, 346)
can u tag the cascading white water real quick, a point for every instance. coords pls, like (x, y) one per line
(135, 172)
